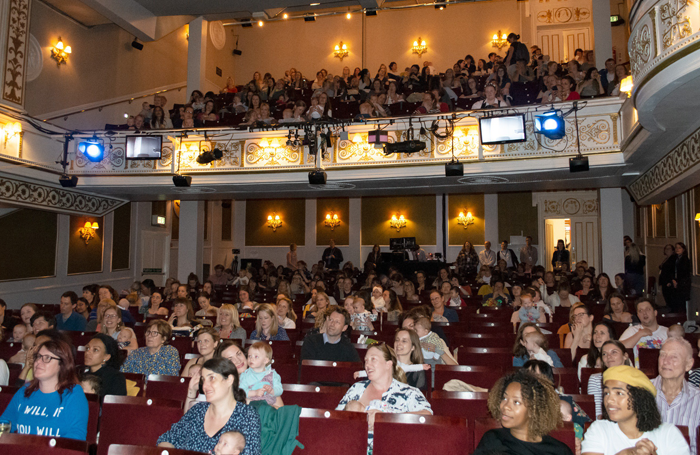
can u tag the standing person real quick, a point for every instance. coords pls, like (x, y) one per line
(292, 261)
(635, 262)
(332, 256)
(487, 257)
(560, 257)
(467, 261)
(680, 293)
(648, 334)
(508, 255)
(418, 254)
(218, 278)
(528, 254)
(667, 270)
(374, 258)
(68, 319)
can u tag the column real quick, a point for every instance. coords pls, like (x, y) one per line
(355, 224)
(629, 209)
(439, 219)
(602, 32)
(239, 209)
(196, 55)
(309, 253)
(491, 220)
(611, 230)
(191, 242)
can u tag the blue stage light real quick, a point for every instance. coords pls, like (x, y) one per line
(551, 124)
(93, 149)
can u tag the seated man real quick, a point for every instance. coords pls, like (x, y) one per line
(331, 345)
(647, 334)
(68, 319)
(678, 401)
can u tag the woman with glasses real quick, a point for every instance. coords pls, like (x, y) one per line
(112, 321)
(207, 339)
(581, 329)
(103, 360)
(52, 403)
(156, 357)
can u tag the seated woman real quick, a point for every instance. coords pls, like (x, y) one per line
(602, 331)
(581, 329)
(225, 410)
(266, 325)
(154, 308)
(631, 422)
(410, 358)
(567, 90)
(206, 308)
(440, 312)
(492, 98)
(385, 390)
(286, 317)
(52, 403)
(246, 303)
(102, 359)
(472, 90)
(183, 314)
(319, 302)
(520, 354)
(206, 339)
(586, 292)
(409, 291)
(112, 324)
(156, 357)
(616, 310)
(613, 353)
(527, 406)
(228, 325)
(392, 305)
(591, 85)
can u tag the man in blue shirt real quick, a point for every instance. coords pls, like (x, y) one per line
(69, 319)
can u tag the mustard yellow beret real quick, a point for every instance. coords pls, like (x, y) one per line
(630, 376)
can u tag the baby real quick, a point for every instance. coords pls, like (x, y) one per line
(27, 343)
(230, 443)
(361, 318)
(430, 342)
(533, 342)
(91, 383)
(260, 381)
(127, 339)
(528, 311)
(455, 298)
(676, 330)
(378, 299)
(18, 332)
(567, 416)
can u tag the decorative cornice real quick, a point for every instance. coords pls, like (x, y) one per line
(45, 197)
(15, 58)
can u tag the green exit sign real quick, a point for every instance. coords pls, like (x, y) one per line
(614, 17)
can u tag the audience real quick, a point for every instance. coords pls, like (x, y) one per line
(156, 357)
(648, 333)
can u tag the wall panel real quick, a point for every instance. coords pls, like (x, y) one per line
(341, 233)
(84, 258)
(291, 211)
(517, 216)
(121, 238)
(466, 203)
(28, 245)
(419, 212)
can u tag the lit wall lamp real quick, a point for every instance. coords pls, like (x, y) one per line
(626, 85)
(419, 47)
(397, 223)
(499, 40)
(465, 220)
(274, 221)
(697, 217)
(60, 52)
(332, 221)
(87, 232)
(341, 51)
(11, 130)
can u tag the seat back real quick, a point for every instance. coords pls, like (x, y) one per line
(480, 376)
(21, 444)
(410, 434)
(323, 432)
(125, 449)
(171, 387)
(135, 420)
(469, 405)
(566, 378)
(319, 371)
(93, 417)
(491, 357)
(309, 396)
(6, 394)
(586, 403)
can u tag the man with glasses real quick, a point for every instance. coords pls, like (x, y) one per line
(156, 357)
(68, 319)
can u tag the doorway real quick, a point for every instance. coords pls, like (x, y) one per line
(556, 229)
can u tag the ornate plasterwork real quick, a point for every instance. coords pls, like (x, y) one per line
(45, 197)
(16, 51)
(570, 206)
(564, 15)
(676, 24)
(684, 156)
(282, 155)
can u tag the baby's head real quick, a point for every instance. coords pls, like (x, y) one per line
(359, 305)
(534, 341)
(526, 300)
(422, 326)
(28, 341)
(194, 369)
(566, 411)
(125, 334)
(676, 330)
(91, 383)
(230, 443)
(259, 355)
(19, 331)
(454, 293)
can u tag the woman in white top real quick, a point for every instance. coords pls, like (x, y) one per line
(285, 313)
(631, 422)
(493, 98)
(614, 354)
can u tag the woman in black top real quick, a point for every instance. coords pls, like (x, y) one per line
(635, 262)
(103, 360)
(681, 280)
(561, 256)
(527, 407)
(667, 270)
(374, 258)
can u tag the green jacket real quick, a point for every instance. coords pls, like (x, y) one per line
(279, 428)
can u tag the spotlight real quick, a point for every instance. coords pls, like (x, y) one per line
(317, 177)
(136, 45)
(349, 16)
(310, 18)
(371, 12)
(182, 180)
(68, 181)
(93, 149)
(551, 124)
(260, 23)
(126, 115)
(454, 169)
(209, 156)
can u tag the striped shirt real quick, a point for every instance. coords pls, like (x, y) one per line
(595, 388)
(685, 409)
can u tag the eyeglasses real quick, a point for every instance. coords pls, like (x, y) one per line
(152, 333)
(110, 316)
(46, 358)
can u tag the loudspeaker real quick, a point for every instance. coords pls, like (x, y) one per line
(317, 177)
(136, 45)
(68, 181)
(182, 180)
(454, 169)
(578, 164)
(237, 52)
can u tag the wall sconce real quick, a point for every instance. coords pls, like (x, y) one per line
(499, 40)
(465, 220)
(274, 221)
(419, 47)
(397, 223)
(626, 85)
(341, 51)
(697, 217)
(11, 130)
(87, 232)
(332, 221)
(60, 52)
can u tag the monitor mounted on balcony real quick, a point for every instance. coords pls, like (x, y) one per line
(143, 147)
(502, 129)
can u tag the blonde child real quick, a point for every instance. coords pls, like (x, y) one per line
(260, 381)
(361, 318)
(676, 330)
(18, 333)
(27, 343)
(127, 339)
(434, 348)
(230, 443)
(534, 342)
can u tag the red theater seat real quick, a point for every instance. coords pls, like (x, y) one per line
(310, 396)
(468, 405)
(323, 432)
(170, 387)
(22, 444)
(480, 376)
(318, 371)
(493, 357)
(123, 449)
(410, 434)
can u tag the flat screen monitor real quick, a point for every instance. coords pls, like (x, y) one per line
(144, 147)
(409, 242)
(396, 244)
(503, 129)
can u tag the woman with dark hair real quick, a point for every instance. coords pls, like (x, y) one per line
(616, 310)
(154, 308)
(90, 294)
(635, 262)
(631, 422)
(602, 331)
(527, 406)
(374, 257)
(245, 296)
(52, 403)
(667, 270)
(183, 314)
(102, 359)
(157, 357)
(159, 121)
(392, 305)
(604, 288)
(467, 260)
(681, 280)
(520, 354)
(591, 85)
(560, 257)
(225, 410)
(613, 353)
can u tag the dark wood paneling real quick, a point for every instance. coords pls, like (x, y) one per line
(516, 216)
(84, 258)
(121, 238)
(474, 233)
(419, 212)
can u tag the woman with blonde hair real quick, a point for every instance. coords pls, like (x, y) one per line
(319, 302)
(292, 262)
(207, 340)
(266, 325)
(286, 317)
(228, 324)
(96, 324)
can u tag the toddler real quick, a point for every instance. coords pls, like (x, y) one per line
(361, 318)
(18, 333)
(230, 443)
(91, 383)
(430, 342)
(528, 311)
(378, 298)
(455, 298)
(676, 330)
(127, 339)
(533, 342)
(27, 343)
(260, 381)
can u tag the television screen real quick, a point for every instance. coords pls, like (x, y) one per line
(144, 147)
(503, 129)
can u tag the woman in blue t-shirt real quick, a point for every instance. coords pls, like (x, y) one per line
(53, 403)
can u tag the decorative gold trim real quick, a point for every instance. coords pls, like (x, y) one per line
(663, 64)
(652, 16)
(613, 120)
